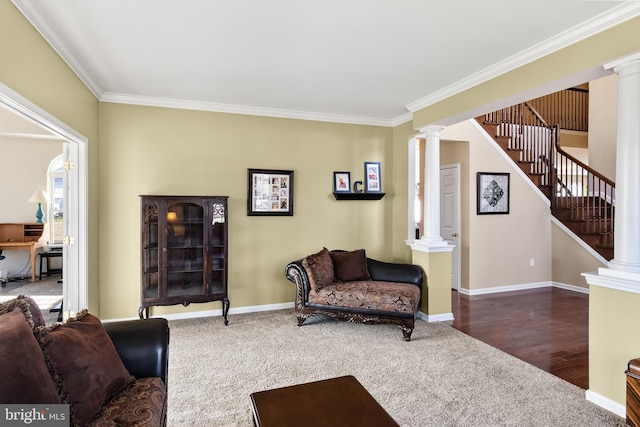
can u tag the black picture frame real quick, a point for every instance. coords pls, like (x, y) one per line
(372, 177)
(493, 193)
(342, 182)
(269, 192)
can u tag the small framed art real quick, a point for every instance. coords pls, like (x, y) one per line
(372, 177)
(493, 193)
(270, 192)
(341, 182)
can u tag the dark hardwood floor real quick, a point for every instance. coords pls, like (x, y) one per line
(546, 327)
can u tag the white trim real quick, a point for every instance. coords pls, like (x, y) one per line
(431, 318)
(75, 260)
(523, 287)
(411, 196)
(429, 247)
(242, 109)
(618, 280)
(606, 403)
(507, 288)
(515, 167)
(615, 16)
(215, 313)
(621, 61)
(573, 288)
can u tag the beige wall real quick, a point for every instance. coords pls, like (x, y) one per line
(501, 246)
(17, 184)
(147, 150)
(23, 170)
(457, 152)
(400, 191)
(31, 68)
(570, 259)
(603, 125)
(613, 320)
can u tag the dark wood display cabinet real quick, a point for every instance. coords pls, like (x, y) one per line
(184, 251)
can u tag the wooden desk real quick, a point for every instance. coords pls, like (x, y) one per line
(24, 246)
(341, 401)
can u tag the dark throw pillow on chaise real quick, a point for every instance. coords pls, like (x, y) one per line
(350, 266)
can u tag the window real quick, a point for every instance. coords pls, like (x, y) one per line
(56, 195)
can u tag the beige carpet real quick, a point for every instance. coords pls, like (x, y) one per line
(441, 378)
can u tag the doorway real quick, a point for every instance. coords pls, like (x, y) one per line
(450, 216)
(75, 254)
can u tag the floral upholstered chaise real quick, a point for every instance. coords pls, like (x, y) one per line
(351, 286)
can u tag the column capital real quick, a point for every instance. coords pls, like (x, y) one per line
(432, 130)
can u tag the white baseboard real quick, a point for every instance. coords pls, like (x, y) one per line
(522, 287)
(571, 287)
(606, 403)
(218, 312)
(445, 317)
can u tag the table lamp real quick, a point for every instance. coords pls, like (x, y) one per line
(39, 197)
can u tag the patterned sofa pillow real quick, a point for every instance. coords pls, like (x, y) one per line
(319, 268)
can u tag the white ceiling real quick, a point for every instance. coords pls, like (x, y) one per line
(354, 61)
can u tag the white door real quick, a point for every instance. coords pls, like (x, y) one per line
(450, 216)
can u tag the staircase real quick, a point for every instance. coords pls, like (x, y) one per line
(580, 197)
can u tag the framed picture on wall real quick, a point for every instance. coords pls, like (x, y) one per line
(493, 193)
(372, 177)
(341, 182)
(270, 192)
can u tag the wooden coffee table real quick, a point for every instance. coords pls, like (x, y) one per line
(336, 402)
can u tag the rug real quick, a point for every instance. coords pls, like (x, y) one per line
(442, 377)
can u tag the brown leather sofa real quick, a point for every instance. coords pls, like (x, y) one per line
(108, 374)
(348, 285)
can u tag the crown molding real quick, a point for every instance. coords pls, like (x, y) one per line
(607, 20)
(36, 18)
(242, 109)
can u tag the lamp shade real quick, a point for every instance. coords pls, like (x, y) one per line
(39, 196)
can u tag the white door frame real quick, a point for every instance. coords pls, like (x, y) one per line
(75, 259)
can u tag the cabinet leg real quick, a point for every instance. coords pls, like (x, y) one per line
(142, 311)
(225, 310)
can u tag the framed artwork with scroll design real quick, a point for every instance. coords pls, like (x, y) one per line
(493, 193)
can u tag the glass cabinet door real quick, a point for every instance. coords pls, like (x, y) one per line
(150, 251)
(185, 249)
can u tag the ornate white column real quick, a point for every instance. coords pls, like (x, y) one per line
(431, 215)
(627, 198)
(623, 272)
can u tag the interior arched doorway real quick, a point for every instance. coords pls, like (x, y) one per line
(75, 259)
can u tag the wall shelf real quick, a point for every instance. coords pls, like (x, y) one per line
(358, 196)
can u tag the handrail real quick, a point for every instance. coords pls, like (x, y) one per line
(578, 194)
(584, 165)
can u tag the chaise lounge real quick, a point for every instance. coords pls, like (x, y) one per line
(350, 286)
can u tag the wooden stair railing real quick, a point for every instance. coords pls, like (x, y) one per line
(584, 201)
(581, 198)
